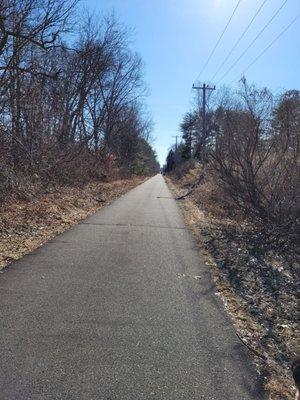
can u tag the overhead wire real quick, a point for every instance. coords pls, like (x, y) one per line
(239, 39)
(273, 41)
(219, 40)
(254, 40)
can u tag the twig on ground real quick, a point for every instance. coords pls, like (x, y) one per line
(194, 185)
(251, 348)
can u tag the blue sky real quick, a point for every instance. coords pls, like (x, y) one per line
(175, 38)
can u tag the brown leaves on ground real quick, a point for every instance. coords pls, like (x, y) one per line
(256, 281)
(26, 225)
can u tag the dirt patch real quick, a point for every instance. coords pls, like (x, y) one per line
(26, 225)
(258, 287)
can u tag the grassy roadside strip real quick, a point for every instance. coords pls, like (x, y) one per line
(277, 378)
(26, 225)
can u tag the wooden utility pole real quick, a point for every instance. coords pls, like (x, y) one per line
(176, 146)
(204, 88)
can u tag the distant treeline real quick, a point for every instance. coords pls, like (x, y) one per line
(249, 153)
(72, 97)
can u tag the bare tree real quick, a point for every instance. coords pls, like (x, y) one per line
(256, 152)
(61, 104)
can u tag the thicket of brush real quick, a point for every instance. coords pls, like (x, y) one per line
(250, 156)
(71, 99)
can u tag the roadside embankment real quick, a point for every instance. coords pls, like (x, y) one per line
(256, 280)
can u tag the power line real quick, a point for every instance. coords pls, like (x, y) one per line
(254, 40)
(219, 40)
(239, 39)
(273, 41)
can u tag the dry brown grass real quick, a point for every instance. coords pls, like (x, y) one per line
(209, 222)
(26, 225)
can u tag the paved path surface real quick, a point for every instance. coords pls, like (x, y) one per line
(104, 312)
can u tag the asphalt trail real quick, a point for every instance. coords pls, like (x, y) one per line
(111, 310)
